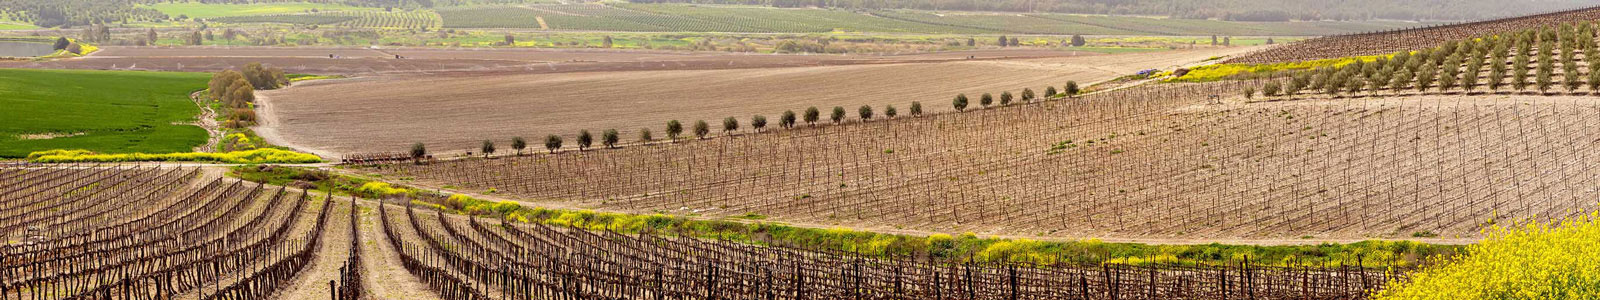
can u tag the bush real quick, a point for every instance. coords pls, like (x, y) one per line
(1072, 89)
(1027, 95)
(1271, 89)
(418, 151)
(865, 112)
(838, 114)
(889, 111)
(1249, 92)
(787, 119)
(1005, 98)
(519, 144)
(257, 156)
(1050, 92)
(986, 100)
(812, 115)
(645, 136)
(916, 108)
(960, 103)
(730, 124)
(488, 148)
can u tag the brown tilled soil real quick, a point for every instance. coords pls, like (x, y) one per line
(458, 110)
(365, 61)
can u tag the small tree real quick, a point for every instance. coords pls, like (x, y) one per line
(674, 129)
(838, 114)
(552, 143)
(960, 102)
(1050, 92)
(758, 122)
(916, 109)
(787, 120)
(511, 40)
(1594, 81)
(610, 138)
(1072, 89)
(888, 111)
(865, 112)
(1249, 92)
(1005, 98)
(1271, 89)
(1027, 95)
(418, 152)
(1293, 88)
(645, 136)
(1426, 76)
(488, 148)
(701, 129)
(518, 144)
(812, 116)
(730, 124)
(585, 139)
(986, 100)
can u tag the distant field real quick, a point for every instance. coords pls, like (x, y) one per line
(357, 19)
(206, 11)
(732, 18)
(102, 111)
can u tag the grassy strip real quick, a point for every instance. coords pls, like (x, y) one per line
(1534, 261)
(959, 247)
(258, 156)
(1220, 72)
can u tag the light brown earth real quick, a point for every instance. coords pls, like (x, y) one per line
(456, 111)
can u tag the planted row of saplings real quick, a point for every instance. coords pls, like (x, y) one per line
(731, 125)
(1519, 62)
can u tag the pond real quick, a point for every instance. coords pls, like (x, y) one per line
(25, 49)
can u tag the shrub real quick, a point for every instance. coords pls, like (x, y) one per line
(1027, 95)
(1072, 89)
(960, 103)
(986, 100)
(1050, 92)
(812, 115)
(916, 108)
(645, 136)
(865, 112)
(488, 148)
(1005, 98)
(889, 111)
(1249, 92)
(838, 114)
(1271, 89)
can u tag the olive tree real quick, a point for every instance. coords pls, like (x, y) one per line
(838, 114)
(865, 112)
(418, 152)
(701, 129)
(960, 102)
(1050, 92)
(674, 129)
(585, 140)
(986, 100)
(1072, 89)
(1005, 98)
(916, 108)
(488, 148)
(552, 143)
(812, 115)
(787, 120)
(610, 138)
(889, 112)
(645, 136)
(1271, 89)
(1027, 95)
(730, 124)
(758, 122)
(517, 143)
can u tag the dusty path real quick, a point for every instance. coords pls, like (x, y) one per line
(312, 283)
(207, 120)
(384, 274)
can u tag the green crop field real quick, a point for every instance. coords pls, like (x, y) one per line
(102, 111)
(206, 11)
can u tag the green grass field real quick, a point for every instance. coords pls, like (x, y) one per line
(206, 11)
(101, 111)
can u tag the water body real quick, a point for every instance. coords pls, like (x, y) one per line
(25, 49)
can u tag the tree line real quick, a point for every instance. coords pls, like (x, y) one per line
(701, 129)
(236, 90)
